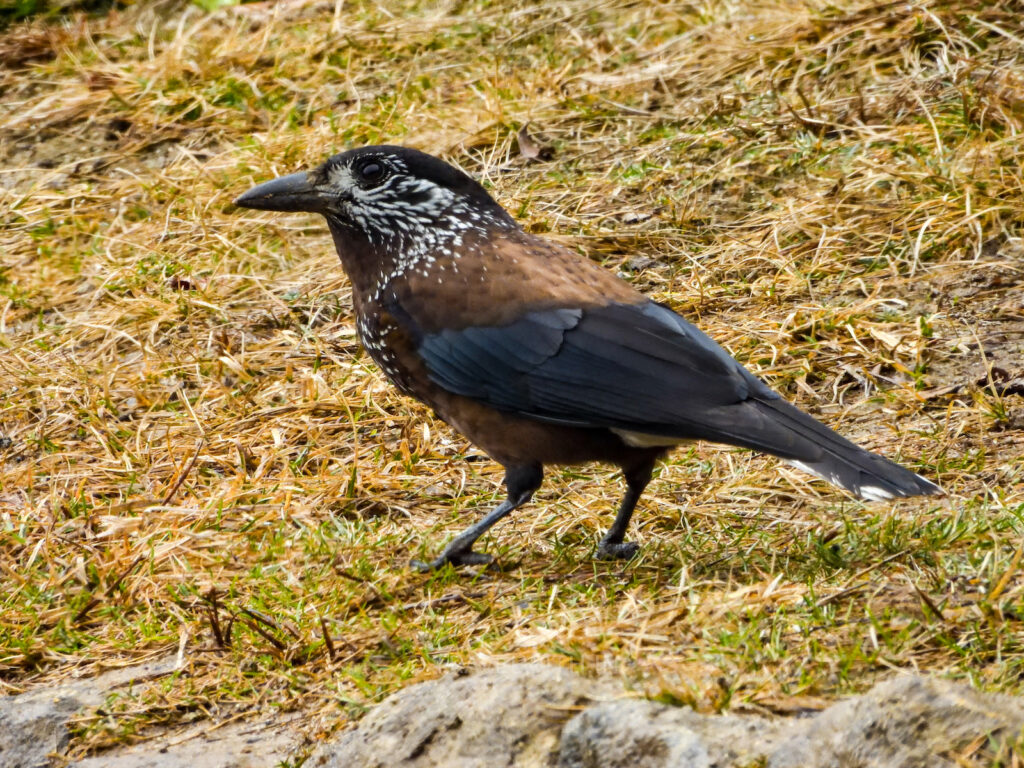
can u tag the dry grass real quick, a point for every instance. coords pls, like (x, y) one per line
(195, 456)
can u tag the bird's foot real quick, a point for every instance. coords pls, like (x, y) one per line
(456, 557)
(617, 550)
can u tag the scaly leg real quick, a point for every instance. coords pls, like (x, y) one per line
(612, 546)
(521, 482)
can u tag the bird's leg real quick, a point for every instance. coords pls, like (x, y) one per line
(612, 546)
(521, 482)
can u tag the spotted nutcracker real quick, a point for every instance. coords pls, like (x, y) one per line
(535, 353)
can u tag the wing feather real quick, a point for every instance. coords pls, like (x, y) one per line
(645, 372)
(637, 367)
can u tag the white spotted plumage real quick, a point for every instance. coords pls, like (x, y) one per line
(419, 223)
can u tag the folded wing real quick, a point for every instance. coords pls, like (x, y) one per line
(643, 370)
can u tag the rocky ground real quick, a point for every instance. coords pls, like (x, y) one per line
(543, 716)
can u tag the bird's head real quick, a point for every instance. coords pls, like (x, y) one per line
(386, 197)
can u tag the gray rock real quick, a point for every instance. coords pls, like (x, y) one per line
(34, 724)
(906, 722)
(509, 716)
(535, 716)
(256, 744)
(643, 734)
(539, 716)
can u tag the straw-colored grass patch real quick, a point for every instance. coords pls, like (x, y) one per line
(196, 457)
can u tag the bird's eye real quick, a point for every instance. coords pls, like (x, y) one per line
(371, 172)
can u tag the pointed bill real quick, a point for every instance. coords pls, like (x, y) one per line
(287, 193)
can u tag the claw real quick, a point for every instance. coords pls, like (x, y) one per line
(456, 558)
(621, 550)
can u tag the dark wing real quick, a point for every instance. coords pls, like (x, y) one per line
(641, 368)
(634, 367)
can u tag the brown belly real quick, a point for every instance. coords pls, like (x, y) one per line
(513, 440)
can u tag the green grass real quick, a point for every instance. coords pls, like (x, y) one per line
(195, 455)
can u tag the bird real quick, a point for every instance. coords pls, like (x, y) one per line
(535, 353)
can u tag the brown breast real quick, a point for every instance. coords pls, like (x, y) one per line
(493, 279)
(486, 280)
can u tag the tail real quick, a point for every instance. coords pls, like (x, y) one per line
(815, 448)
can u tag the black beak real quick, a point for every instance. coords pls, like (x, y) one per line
(288, 193)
